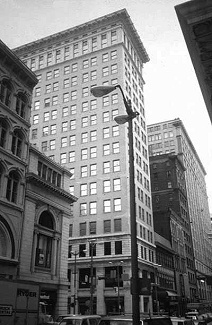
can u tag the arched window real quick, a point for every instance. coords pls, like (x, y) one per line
(21, 104)
(5, 92)
(3, 132)
(5, 242)
(45, 240)
(12, 187)
(17, 141)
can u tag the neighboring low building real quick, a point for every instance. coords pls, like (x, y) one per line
(35, 207)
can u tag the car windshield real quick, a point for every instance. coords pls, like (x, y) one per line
(70, 322)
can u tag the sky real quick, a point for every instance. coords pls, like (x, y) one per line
(171, 89)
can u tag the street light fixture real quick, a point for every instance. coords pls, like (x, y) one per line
(75, 277)
(100, 91)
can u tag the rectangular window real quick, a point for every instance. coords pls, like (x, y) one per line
(65, 97)
(114, 98)
(67, 69)
(49, 58)
(37, 91)
(93, 61)
(106, 167)
(84, 171)
(84, 154)
(114, 68)
(75, 50)
(106, 133)
(93, 170)
(113, 55)
(64, 142)
(66, 83)
(115, 130)
(56, 73)
(117, 225)
(105, 57)
(93, 135)
(36, 105)
(46, 116)
(106, 117)
(65, 111)
(64, 126)
(54, 114)
(48, 89)
(83, 189)
(106, 149)
(93, 188)
(107, 226)
(54, 100)
(84, 137)
(116, 166)
(93, 119)
(113, 37)
(85, 92)
(107, 248)
(93, 152)
(45, 131)
(118, 247)
(72, 140)
(44, 146)
(56, 86)
(115, 147)
(71, 156)
(66, 53)
(82, 231)
(106, 186)
(52, 144)
(105, 101)
(92, 207)
(73, 125)
(93, 75)
(73, 109)
(83, 209)
(106, 206)
(63, 158)
(73, 95)
(116, 184)
(117, 204)
(94, 43)
(74, 81)
(84, 121)
(53, 129)
(35, 119)
(105, 71)
(84, 47)
(46, 102)
(103, 40)
(92, 227)
(93, 104)
(48, 75)
(85, 64)
(85, 77)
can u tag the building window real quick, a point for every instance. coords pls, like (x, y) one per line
(93, 152)
(106, 186)
(84, 121)
(105, 71)
(118, 247)
(107, 248)
(64, 126)
(92, 207)
(84, 154)
(75, 50)
(74, 67)
(106, 206)
(54, 114)
(85, 64)
(115, 147)
(114, 98)
(44, 241)
(93, 188)
(105, 57)
(46, 102)
(72, 140)
(117, 204)
(93, 119)
(106, 149)
(74, 81)
(93, 75)
(17, 141)
(36, 105)
(64, 142)
(74, 95)
(72, 124)
(54, 100)
(92, 227)
(114, 68)
(46, 117)
(94, 43)
(85, 92)
(93, 104)
(106, 167)
(116, 184)
(93, 135)
(71, 156)
(53, 129)
(106, 133)
(113, 55)
(103, 40)
(56, 73)
(12, 187)
(67, 69)
(83, 189)
(113, 37)
(106, 117)
(84, 171)
(93, 169)
(84, 137)
(83, 209)
(48, 75)
(37, 92)
(115, 131)
(52, 145)
(73, 109)
(107, 226)
(65, 111)
(93, 61)
(85, 77)
(117, 225)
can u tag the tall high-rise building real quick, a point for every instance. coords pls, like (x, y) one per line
(171, 137)
(78, 130)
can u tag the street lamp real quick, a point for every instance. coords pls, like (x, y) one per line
(156, 287)
(75, 277)
(100, 91)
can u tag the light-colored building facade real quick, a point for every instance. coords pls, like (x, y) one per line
(78, 130)
(170, 137)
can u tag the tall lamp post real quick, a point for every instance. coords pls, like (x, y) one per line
(100, 91)
(92, 246)
(118, 283)
(75, 277)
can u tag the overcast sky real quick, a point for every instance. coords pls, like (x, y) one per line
(171, 89)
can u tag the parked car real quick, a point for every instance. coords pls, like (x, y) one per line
(81, 320)
(60, 317)
(182, 321)
(127, 320)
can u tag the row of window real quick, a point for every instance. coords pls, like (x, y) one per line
(91, 227)
(86, 153)
(71, 51)
(12, 140)
(19, 101)
(108, 186)
(109, 205)
(158, 136)
(49, 174)
(159, 127)
(10, 184)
